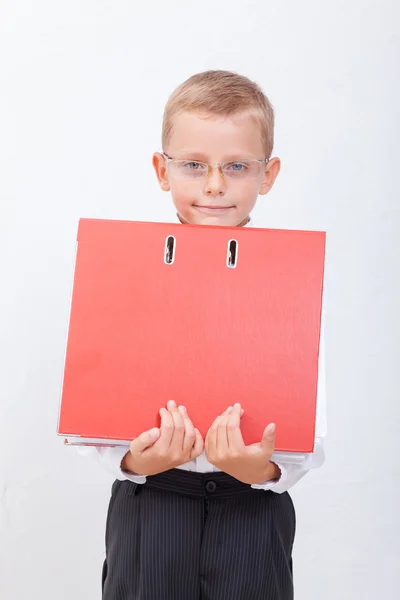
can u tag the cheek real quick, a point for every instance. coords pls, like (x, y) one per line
(245, 193)
(182, 192)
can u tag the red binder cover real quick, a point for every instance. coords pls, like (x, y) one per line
(169, 311)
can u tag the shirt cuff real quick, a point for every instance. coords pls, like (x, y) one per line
(110, 458)
(276, 485)
(292, 472)
(121, 474)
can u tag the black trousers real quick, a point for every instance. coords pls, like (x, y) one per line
(193, 536)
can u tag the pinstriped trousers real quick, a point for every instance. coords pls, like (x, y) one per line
(193, 536)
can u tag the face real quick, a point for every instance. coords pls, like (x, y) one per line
(215, 199)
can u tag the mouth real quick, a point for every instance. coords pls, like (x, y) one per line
(213, 209)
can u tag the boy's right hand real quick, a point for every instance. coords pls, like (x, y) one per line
(158, 450)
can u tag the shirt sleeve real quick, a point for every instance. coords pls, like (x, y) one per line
(110, 458)
(291, 472)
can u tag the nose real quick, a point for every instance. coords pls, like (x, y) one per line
(215, 183)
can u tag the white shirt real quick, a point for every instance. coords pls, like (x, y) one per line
(292, 466)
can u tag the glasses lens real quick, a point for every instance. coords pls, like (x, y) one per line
(191, 169)
(243, 169)
(188, 169)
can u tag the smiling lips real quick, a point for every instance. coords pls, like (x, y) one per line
(213, 209)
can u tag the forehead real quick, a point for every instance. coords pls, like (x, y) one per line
(215, 138)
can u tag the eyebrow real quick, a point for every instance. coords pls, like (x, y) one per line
(191, 154)
(200, 156)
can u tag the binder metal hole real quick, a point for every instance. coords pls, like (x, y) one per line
(169, 254)
(232, 255)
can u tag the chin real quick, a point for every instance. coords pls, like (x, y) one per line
(214, 220)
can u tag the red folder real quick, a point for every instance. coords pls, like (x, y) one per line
(206, 316)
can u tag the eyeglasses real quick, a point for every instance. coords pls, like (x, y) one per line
(194, 170)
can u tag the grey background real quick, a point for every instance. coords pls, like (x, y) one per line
(82, 88)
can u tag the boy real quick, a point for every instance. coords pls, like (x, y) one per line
(209, 519)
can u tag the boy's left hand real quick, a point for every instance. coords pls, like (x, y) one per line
(226, 449)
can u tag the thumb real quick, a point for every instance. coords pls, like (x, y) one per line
(145, 439)
(198, 446)
(268, 438)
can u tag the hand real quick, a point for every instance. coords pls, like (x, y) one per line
(164, 448)
(226, 449)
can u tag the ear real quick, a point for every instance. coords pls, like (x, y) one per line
(160, 167)
(271, 172)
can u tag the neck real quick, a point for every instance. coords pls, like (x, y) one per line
(241, 224)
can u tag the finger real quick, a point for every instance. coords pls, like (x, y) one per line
(190, 433)
(222, 432)
(211, 437)
(167, 429)
(268, 439)
(179, 427)
(235, 438)
(145, 440)
(198, 446)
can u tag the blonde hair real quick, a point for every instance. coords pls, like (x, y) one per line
(221, 93)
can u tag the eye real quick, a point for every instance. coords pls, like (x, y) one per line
(237, 166)
(192, 165)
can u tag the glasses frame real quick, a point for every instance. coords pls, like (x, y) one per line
(210, 166)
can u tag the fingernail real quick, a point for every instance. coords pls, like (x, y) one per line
(153, 432)
(229, 409)
(182, 410)
(237, 405)
(272, 427)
